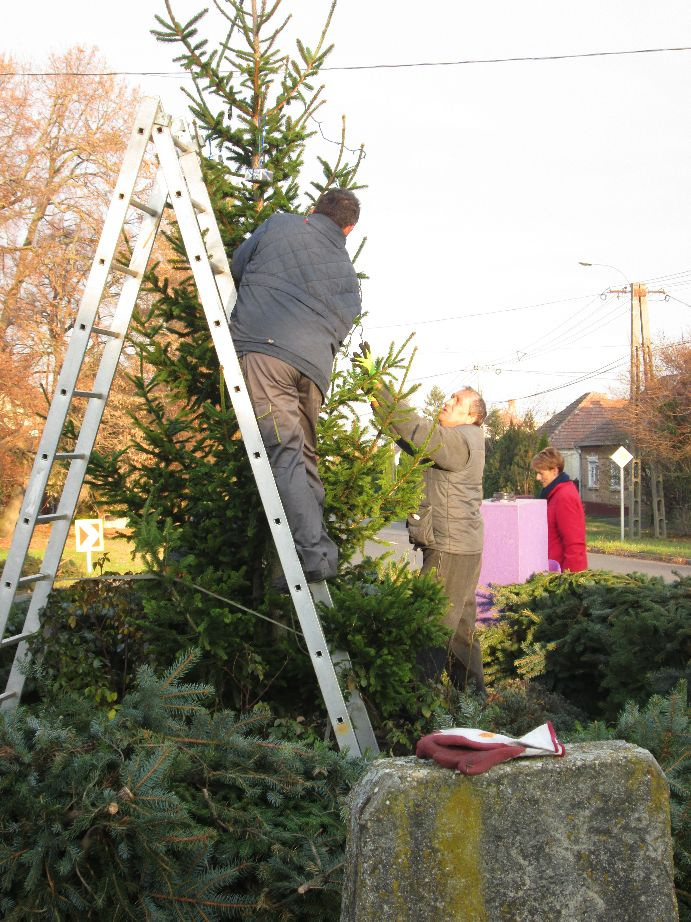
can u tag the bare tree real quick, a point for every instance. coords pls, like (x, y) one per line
(61, 141)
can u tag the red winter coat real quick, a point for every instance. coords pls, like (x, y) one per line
(566, 527)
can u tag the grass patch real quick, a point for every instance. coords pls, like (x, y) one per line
(604, 536)
(117, 546)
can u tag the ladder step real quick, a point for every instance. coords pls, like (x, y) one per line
(16, 639)
(180, 144)
(100, 331)
(69, 456)
(7, 696)
(34, 578)
(90, 394)
(126, 269)
(142, 206)
(53, 516)
(198, 206)
(217, 268)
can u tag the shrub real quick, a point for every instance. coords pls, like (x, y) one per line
(97, 633)
(597, 638)
(165, 812)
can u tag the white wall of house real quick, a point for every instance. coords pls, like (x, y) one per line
(572, 462)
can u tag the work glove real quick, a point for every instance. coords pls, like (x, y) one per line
(472, 751)
(365, 361)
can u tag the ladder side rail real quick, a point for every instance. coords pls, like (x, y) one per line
(192, 171)
(89, 431)
(220, 332)
(343, 665)
(74, 356)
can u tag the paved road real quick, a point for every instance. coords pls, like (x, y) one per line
(397, 535)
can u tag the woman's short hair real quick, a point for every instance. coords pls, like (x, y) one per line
(547, 459)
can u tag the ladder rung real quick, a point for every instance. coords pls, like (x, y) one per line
(142, 206)
(16, 639)
(198, 206)
(127, 270)
(90, 394)
(69, 456)
(6, 696)
(217, 268)
(34, 578)
(53, 516)
(100, 331)
(180, 144)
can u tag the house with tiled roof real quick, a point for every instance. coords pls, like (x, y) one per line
(587, 432)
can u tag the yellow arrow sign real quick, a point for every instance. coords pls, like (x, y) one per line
(88, 534)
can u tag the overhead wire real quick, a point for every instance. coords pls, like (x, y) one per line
(379, 66)
(550, 345)
(596, 372)
(502, 310)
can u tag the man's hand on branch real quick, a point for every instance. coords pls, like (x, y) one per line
(365, 361)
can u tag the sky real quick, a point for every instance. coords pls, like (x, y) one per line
(487, 181)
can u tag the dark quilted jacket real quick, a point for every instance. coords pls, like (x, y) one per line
(298, 294)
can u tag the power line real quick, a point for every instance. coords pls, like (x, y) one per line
(512, 60)
(686, 304)
(593, 374)
(502, 310)
(350, 67)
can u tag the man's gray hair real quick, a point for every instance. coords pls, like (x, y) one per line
(477, 406)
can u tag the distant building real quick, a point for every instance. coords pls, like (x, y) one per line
(587, 432)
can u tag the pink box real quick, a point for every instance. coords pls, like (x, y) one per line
(515, 540)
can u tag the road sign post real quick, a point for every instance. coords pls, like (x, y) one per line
(88, 535)
(621, 458)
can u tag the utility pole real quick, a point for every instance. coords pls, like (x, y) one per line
(641, 377)
(642, 374)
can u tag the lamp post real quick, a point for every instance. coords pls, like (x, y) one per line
(607, 266)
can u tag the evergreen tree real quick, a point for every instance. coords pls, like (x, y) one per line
(433, 402)
(188, 491)
(509, 448)
(252, 105)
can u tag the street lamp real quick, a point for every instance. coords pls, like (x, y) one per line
(607, 266)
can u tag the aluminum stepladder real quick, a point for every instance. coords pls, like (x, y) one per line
(179, 181)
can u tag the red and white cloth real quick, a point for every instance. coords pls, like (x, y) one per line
(472, 751)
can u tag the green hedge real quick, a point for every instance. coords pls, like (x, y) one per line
(600, 639)
(166, 812)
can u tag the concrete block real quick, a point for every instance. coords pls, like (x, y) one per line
(585, 838)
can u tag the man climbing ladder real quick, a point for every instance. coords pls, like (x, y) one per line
(179, 181)
(298, 297)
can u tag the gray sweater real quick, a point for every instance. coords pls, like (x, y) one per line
(298, 294)
(449, 516)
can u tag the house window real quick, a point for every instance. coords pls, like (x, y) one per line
(593, 473)
(614, 476)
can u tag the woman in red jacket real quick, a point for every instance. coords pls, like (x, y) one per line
(565, 515)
